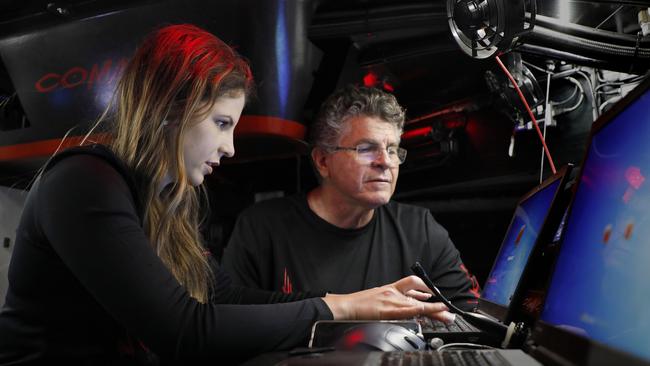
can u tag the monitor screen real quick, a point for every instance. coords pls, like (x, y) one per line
(600, 288)
(518, 244)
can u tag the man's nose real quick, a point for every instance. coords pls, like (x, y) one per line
(382, 158)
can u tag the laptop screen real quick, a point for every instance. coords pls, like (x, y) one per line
(601, 285)
(518, 244)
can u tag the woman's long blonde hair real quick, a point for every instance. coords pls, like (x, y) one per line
(172, 82)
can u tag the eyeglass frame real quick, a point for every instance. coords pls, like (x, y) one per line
(377, 148)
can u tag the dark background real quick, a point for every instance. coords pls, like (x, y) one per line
(60, 61)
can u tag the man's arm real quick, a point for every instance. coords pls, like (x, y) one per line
(447, 271)
(227, 293)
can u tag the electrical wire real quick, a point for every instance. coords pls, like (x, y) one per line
(610, 16)
(578, 103)
(610, 92)
(587, 77)
(616, 93)
(621, 83)
(575, 71)
(536, 67)
(547, 118)
(464, 345)
(608, 102)
(530, 113)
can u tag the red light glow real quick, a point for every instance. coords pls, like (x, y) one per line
(370, 80)
(353, 338)
(418, 132)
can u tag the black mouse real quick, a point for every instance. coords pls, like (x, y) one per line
(379, 336)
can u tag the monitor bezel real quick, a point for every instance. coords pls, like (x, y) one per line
(503, 312)
(551, 338)
(570, 348)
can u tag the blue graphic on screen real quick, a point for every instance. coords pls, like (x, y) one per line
(517, 245)
(601, 285)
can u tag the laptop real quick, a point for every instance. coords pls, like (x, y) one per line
(596, 306)
(537, 212)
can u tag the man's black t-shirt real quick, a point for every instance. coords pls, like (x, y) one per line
(282, 245)
(86, 286)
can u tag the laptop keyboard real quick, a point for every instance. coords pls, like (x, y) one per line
(437, 326)
(462, 358)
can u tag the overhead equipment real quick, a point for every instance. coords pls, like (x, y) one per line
(484, 28)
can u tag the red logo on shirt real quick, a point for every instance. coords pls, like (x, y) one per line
(287, 288)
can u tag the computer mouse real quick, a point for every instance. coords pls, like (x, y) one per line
(380, 336)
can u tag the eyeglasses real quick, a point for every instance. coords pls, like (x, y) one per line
(367, 153)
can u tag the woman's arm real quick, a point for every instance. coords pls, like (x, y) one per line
(87, 212)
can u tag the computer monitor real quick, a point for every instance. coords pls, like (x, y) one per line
(598, 296)
(534, 285)
(519, 242)
(517, 245)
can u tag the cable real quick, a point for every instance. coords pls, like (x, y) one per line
(621, 83)
(578, 103)
(610, 92)
(586, 31)
(465, 345)
(545, 37)
(478, 320)
(616, 92)
(594, 107)
(530, 113)
(610, 16)
(547, 120)
(608, 102)
(420, 272)
(601, 79)
(575, 71)
(536, 67)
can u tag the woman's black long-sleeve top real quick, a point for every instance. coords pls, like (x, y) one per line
(85, 283)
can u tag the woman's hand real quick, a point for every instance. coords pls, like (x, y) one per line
(398, 300)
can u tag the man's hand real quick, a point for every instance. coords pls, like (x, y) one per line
(398, 300)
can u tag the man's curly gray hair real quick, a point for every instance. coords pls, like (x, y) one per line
(348, 102)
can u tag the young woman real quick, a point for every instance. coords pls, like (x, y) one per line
(108, 265)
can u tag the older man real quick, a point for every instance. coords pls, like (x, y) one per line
(347, 235)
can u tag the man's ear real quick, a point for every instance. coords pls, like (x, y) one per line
(319, 157)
